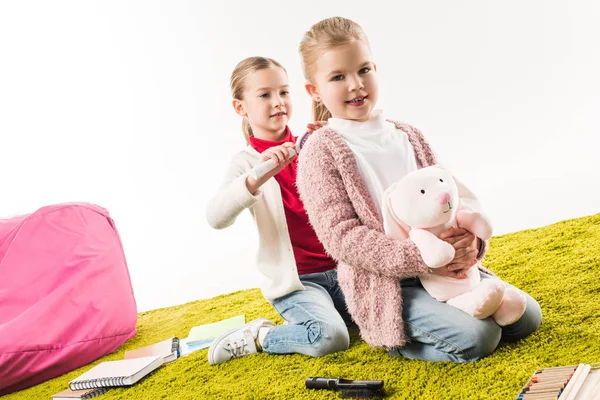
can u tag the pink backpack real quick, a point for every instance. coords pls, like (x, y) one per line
(65, 293)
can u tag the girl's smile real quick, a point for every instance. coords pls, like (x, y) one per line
(279, 115)
(358, 101)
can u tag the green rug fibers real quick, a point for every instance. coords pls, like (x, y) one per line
(558, 265)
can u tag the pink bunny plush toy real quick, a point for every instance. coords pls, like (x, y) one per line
(424, 204)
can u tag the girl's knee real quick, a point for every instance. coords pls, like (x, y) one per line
(533, 315)
(527, 324)
(331, 339)
(481, 341)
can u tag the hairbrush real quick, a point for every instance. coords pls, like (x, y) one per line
(348, 388)
(260, 170)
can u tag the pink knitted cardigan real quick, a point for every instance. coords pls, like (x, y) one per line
(343, 214)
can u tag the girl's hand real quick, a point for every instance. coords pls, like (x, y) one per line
(444, 271)
(280, 156)
(466, 247)
(315, 126)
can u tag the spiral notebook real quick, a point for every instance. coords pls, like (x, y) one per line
(117, 373)
(168, 349)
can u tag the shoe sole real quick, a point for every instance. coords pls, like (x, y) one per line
(213, 346)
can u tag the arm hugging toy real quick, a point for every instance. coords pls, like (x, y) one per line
(422, 205)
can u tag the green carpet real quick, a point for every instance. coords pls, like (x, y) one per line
(558, 265)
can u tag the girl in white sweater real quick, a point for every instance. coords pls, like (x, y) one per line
(300, 279)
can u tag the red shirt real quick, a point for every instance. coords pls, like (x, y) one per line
(308, 251)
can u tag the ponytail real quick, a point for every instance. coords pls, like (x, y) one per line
(320, 112)
(246, 130)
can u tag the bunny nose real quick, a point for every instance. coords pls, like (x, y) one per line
(443, 198)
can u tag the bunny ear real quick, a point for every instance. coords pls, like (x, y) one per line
(391, 223)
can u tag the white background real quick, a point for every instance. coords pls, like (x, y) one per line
(127, 105)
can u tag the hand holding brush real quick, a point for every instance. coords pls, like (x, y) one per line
(278, 161)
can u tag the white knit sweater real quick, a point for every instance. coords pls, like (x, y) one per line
(275, 259)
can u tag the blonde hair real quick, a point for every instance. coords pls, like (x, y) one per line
(238, 80)
(322, 36)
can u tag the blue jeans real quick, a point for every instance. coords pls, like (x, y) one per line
(439, 332)
(316, 318)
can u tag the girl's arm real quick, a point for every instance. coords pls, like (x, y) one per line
(239, 190)
(232, 197)
(339, 228)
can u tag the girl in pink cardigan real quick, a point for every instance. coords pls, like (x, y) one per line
(343, 171)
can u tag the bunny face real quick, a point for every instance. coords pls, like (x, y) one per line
(424, 199)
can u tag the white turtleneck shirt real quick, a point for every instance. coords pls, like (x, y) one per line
(383, 153)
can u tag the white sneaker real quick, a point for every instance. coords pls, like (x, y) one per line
(237, 342)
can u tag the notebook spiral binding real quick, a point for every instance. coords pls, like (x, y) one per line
(175, 346)
(95, 393)
(94, 383)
